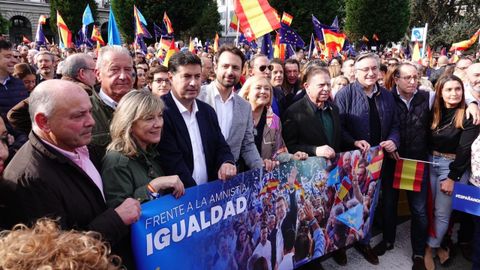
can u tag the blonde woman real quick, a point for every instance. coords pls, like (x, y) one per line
(258, 91)
(131, 167)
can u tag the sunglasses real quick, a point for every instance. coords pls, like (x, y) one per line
(264, 67)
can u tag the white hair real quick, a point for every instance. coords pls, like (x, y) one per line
(115, 49)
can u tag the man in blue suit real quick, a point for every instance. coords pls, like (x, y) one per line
(192, 143)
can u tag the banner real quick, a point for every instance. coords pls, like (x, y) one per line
(466, 198)
(418, 34)
(260, 218)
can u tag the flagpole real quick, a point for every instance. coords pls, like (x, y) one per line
(424, 39)
(417, 160)
(310, 46)
(238, 30)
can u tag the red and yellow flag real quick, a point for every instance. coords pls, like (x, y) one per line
(168, 23)
(191, 46)
(25, 40)
(64, 32)
(375, 37)
(343, 190)
(333, 40)
(465, 44)
(256, 18)
(171, 51)
(287, 18)
(408, 175)
(416, 57)
(375, 167)
(234, 22)
(279, 49)
(365, 39)
(96, 36)
(42, 19)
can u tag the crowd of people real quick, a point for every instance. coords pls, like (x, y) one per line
(87, 136)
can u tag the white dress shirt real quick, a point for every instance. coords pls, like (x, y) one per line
(108, 100)
(224, 110)
(199, 173)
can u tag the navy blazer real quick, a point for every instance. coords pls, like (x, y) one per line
(175, 147)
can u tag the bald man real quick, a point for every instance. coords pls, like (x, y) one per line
(53, 175)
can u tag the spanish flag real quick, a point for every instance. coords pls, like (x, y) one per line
(287, 18)
(171, 51)
(271, 185)
(375, 167)
(64, 32)
(234, 22)
(465, 44)
(408, 174)
(416, 57)
(256, 18)
(279, 49)
(333, 40)
(25, 40)
(343, 190)
(191, 46)
(375, 37)
(96, 36)
(168, 23)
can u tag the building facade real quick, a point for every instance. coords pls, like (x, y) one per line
(23, 16)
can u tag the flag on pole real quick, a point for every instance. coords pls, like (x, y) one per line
(317, 28)
(87, 17)
(234, 22)
(289, 36)
(279, 49)
(287, 18)
(64, 32)
(113, 33)
(267, 48)
(39, 36)
(191, 46)
(465, 44)
(334, 41)
(140, 44)
(408, 175)
(140, 29)
(335, 24)
(256, 18)
(215, 43)
(25, 40)
(96, 36)
(416, 57)
(375, 37)
(311, 46)
(168, 23)
(171, 51)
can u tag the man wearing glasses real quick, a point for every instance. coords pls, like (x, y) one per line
(80, 69)
(12, 90)
(368, 118)
(413, 110)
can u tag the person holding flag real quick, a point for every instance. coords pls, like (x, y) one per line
(368, 118)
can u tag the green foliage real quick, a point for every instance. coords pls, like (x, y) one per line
(302, 11)
(388, 19)
(71, 12)
(208, 23)
(448, 21)
(4, 24)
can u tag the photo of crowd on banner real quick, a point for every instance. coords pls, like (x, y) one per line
(299, 212)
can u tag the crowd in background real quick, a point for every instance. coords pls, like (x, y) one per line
(87, 136)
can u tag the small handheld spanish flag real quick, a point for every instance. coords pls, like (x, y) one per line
(408, 174)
